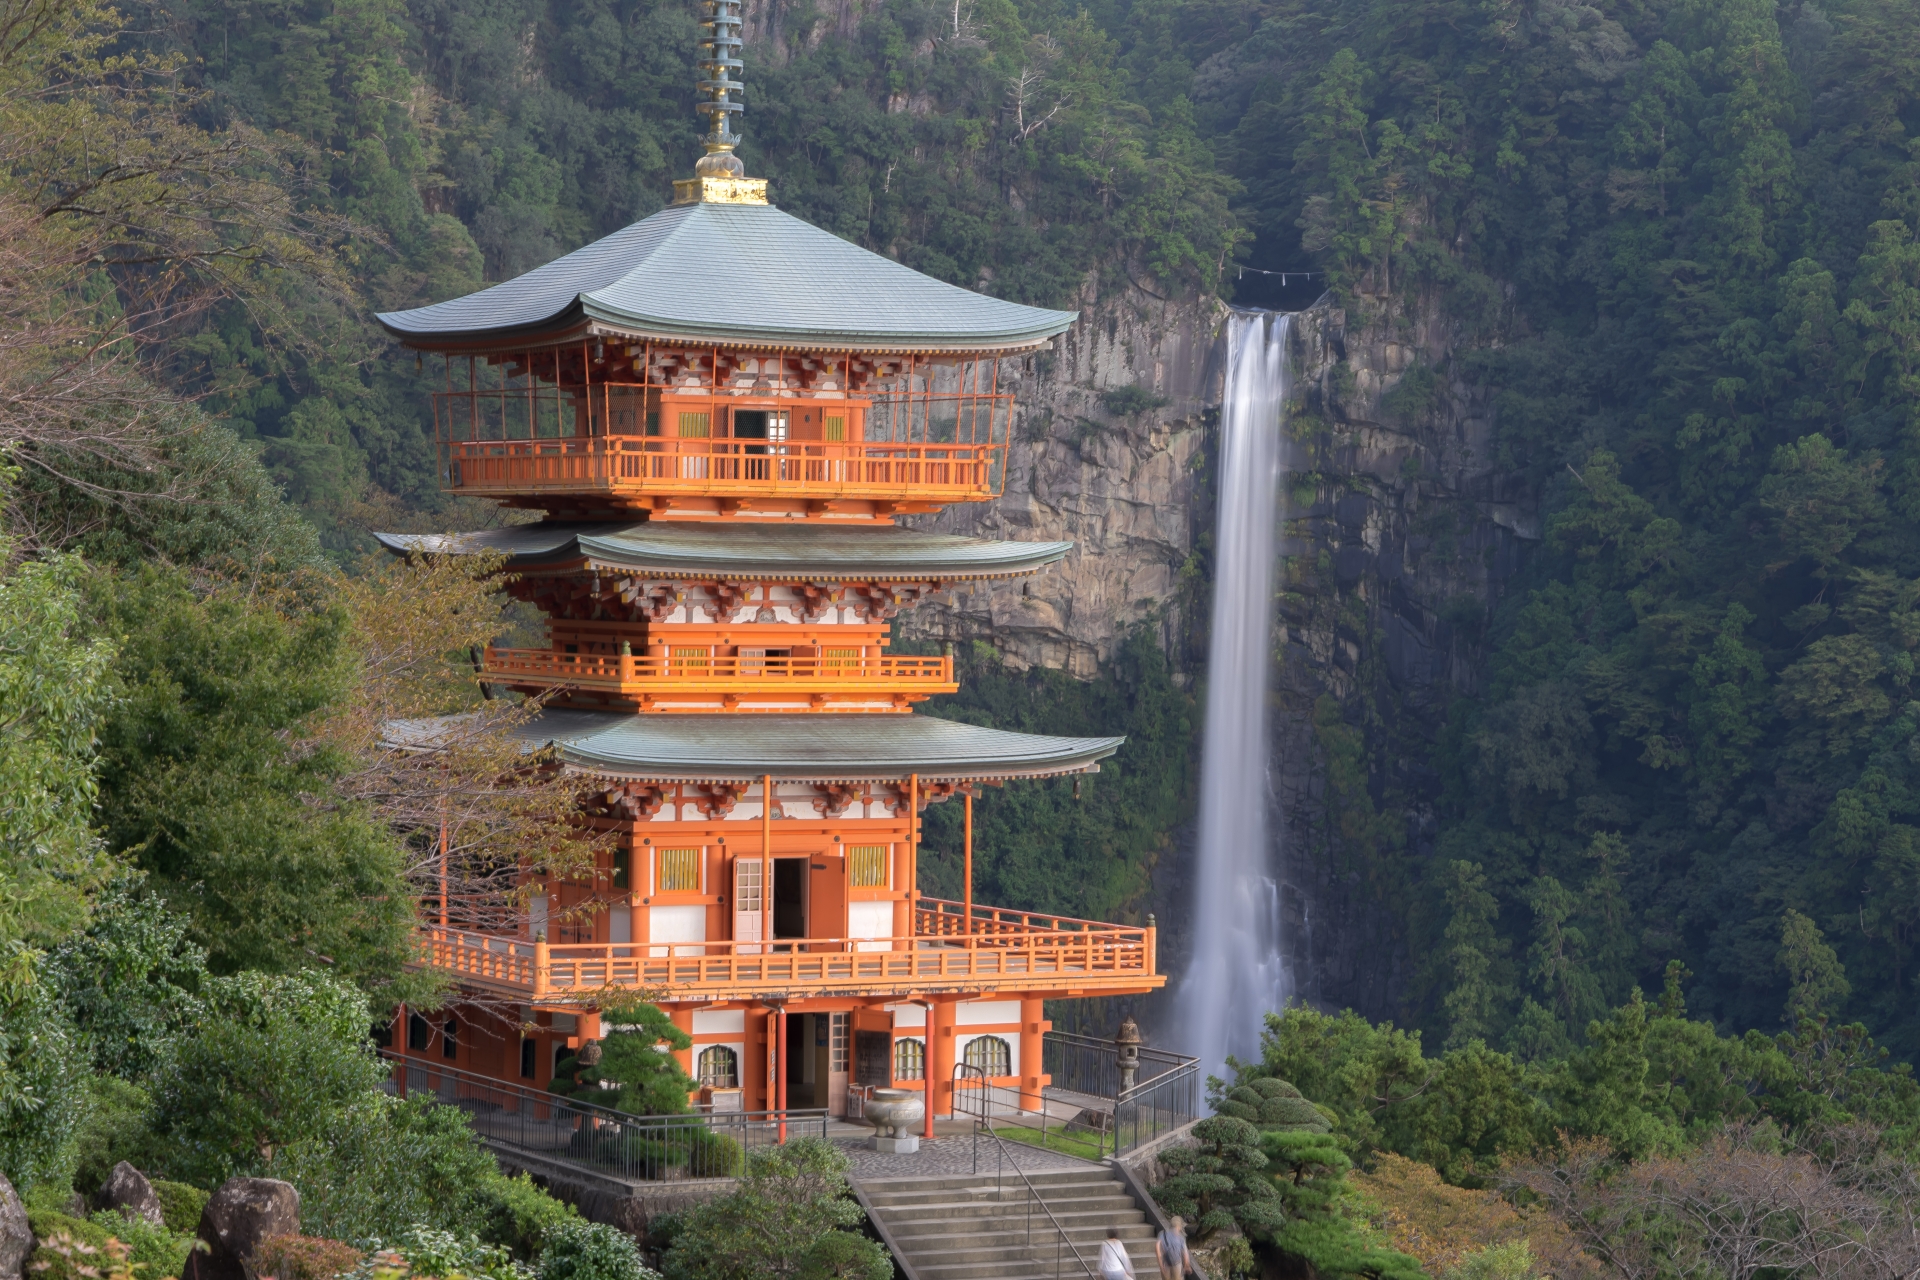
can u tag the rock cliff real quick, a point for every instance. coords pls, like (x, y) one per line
(1401, 533)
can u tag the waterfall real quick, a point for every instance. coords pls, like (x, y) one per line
(1237, 974)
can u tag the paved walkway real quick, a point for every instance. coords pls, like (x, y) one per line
(948, 1156)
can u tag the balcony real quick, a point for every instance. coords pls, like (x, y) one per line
(651, 472)
(1005, 952)
(702, 681)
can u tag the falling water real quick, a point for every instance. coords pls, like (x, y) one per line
(1237, 973)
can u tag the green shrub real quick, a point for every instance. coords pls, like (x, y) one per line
(49, 1262)
(385, 1165)
(180, 1204)
(430, 1251)
(591, 1251)
(296, 1257)
(154, 1251)
(516, 1214)
(114, 1126)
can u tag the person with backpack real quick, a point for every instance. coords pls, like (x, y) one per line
(1170, 1248)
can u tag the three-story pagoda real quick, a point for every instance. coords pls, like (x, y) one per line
(719, 411)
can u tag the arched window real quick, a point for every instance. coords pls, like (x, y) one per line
(719, 1067)
(991, 1054)
(909, 1059)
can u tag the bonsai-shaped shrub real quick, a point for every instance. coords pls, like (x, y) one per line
(591, 1251)
(636, 1071)
(793, 1216)
(1221, 1180)
(180, 1204)
(1268, 1102)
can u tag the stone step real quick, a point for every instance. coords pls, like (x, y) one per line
(989, 1208)
(960, 1181)
(923, 1227)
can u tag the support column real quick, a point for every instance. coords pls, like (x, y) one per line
(940, 1057)
(683, 1021)
(753, 1068)
(588, 1025)
(780, 1071)
(1033, 1031)
(966, 875)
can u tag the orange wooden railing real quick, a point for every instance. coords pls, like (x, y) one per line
(1097, 957)
(723, 673)
(651, 465)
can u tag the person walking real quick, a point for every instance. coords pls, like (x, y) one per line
(1170, 1248)
(1114, 1262)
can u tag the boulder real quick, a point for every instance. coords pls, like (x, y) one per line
(16, 1237)
(128, 1190)
(241, 1214)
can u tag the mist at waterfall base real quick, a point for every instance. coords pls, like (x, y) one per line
(1237, 975)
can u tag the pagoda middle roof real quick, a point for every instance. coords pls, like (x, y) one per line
(762, 551)
(815, 748)
(734, 274)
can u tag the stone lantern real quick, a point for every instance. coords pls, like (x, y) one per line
(1126, 1044)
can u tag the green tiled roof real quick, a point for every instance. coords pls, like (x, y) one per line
(763, 551)
(729, 273)
(815, 748)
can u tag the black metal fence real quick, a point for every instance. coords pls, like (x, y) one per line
(1165, 1092)
(631, 1148)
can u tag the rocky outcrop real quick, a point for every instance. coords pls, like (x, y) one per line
(238, 1217)
(16, 1237)
(1108, 427)
(128, 1190)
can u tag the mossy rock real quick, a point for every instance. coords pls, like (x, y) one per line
(180, 1205)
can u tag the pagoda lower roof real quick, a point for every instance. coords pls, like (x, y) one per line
(734, 275)
(809, 748)
(762, 551)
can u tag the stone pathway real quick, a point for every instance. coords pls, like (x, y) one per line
(946, 1157)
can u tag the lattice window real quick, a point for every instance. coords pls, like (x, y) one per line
(695, 426)
(679, 871)
(837, 1042)
(991, 1054)
(836, 428)
(909, 1059)
(691, 659)
(840, 659)
(719, 1067)
(746, 886)
(869, 865)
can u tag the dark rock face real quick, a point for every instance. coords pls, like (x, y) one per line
(128, 1190)
(16, 1238)
(241, 1214)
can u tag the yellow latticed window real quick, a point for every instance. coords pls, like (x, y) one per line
(694, 659)
(836, 427)
(679, 869)
(869, 865)
(909, 1060)
(695, 426)
(837, 659)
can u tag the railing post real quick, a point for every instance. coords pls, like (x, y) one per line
(541, 966)
(1153, 946)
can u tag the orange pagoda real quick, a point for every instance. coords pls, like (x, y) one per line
(719, 412)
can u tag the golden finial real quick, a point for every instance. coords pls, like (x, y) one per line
(719, 177)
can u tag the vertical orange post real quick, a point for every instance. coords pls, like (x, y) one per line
(780, 1072)
(444, 803)
(913, 853)
(1033, 1032)
(926, 1068)
(966, 913)
(766, 864)
(940, 1043)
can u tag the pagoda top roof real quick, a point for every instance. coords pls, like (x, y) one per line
(730, 274)
(798, 747)
(762, 551)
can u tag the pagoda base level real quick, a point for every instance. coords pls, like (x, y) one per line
(587, 508)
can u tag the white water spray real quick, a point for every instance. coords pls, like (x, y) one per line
(1237, 974)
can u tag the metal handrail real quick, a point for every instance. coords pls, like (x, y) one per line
(983, 1121)
(1168, 1096)
(583, 1134)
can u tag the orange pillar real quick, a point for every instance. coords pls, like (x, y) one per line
(1033, 1031)
(683, 1020)
(940, 1056)
(966, 914)
(780, 1070)
(753, 1071)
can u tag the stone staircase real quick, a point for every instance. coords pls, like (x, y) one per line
(976, 1228)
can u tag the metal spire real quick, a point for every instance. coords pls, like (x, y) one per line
(720, 39)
